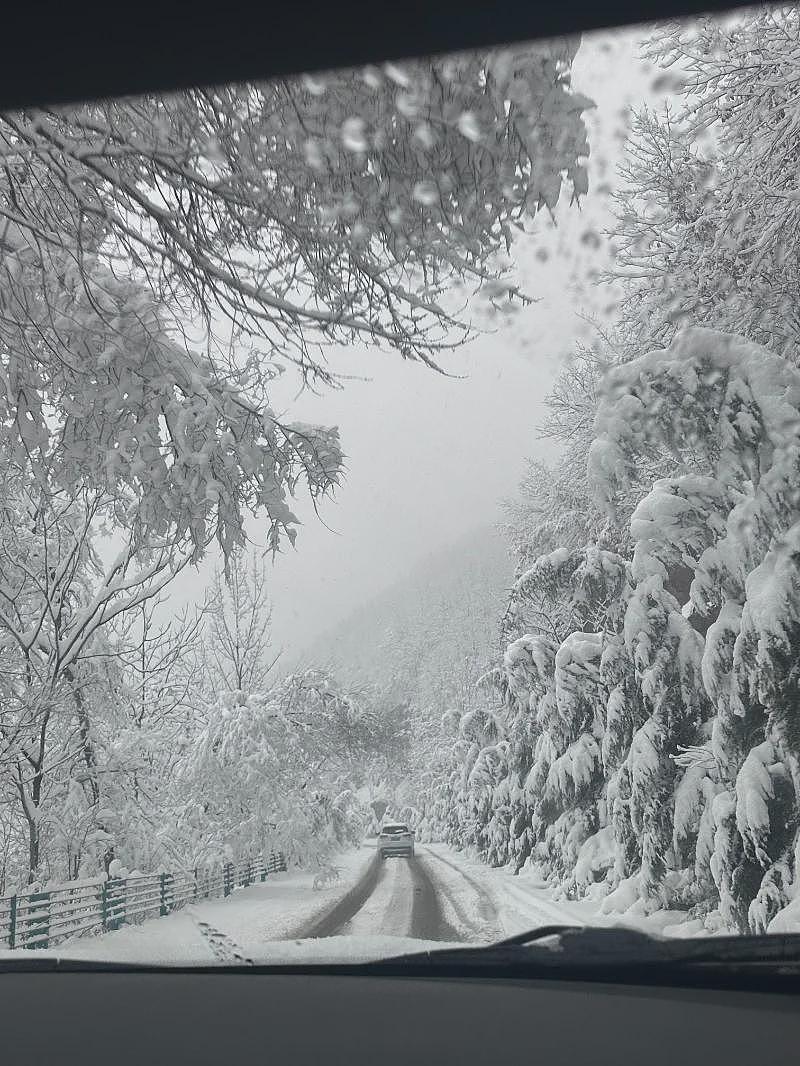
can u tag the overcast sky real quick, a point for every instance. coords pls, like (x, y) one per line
(430, 457)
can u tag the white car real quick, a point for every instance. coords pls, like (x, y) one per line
(396, 839)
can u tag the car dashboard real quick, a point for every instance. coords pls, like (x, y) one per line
(140, 1017)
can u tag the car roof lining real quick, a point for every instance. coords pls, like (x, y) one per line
(82, 51)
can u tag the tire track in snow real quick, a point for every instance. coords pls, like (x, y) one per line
(332, 920)
(404, 900)
(509, 906)
(388, 910)
(482, 923)
(428, 921)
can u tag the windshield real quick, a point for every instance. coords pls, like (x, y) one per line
(400, 503)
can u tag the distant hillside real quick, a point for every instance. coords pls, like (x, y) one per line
(430, 632)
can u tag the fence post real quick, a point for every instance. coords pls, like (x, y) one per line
(277, 862)
(104, 905)
(12, 922)
(112, 903)
(40, 924)
(227, 878)
(164, 909)
(263, 866)
(196, 885)
(117, 892)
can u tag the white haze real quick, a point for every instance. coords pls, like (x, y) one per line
(431, 457)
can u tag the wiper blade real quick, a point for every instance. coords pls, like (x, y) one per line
(603, 953)
(598, 944)
(767, 949)
(540, 932)
(587, 945)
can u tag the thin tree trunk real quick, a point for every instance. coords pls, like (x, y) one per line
(30, 808)
(90, 759)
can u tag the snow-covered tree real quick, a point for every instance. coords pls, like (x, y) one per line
(237, 649)
(707, 223)
(649, 712)
(279, 218)
(277, 770)
(679, 471)
(734, 525)
(163, 259)
(305, 207)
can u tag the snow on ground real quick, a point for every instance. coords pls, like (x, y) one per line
(387, 912)
(265, 922)
(788, 919)
(253, 918)
(466, 905)
(486, 903)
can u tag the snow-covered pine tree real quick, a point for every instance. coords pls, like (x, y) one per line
(730, 409)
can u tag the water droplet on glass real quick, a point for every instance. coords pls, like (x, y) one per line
(313, 154)
(426, 192)
(397, 74)
(407, 105)
(424, 134)
(468, 126)
(213, 150)
(353, 137)
(315, 86)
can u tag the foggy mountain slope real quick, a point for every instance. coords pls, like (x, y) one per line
(431, 630)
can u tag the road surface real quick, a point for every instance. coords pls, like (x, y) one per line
(439, 896)
(423, 897)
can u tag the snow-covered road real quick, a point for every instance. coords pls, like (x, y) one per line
(406, 900)
(377, 909)
(440, 895)
(492, 903)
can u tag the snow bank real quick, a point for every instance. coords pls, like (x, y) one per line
(252, 918)
(525, 901)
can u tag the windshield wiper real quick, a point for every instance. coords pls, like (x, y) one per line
(608, 955)
(618, 954)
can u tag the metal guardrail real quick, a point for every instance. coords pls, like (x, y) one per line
(78, 908)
